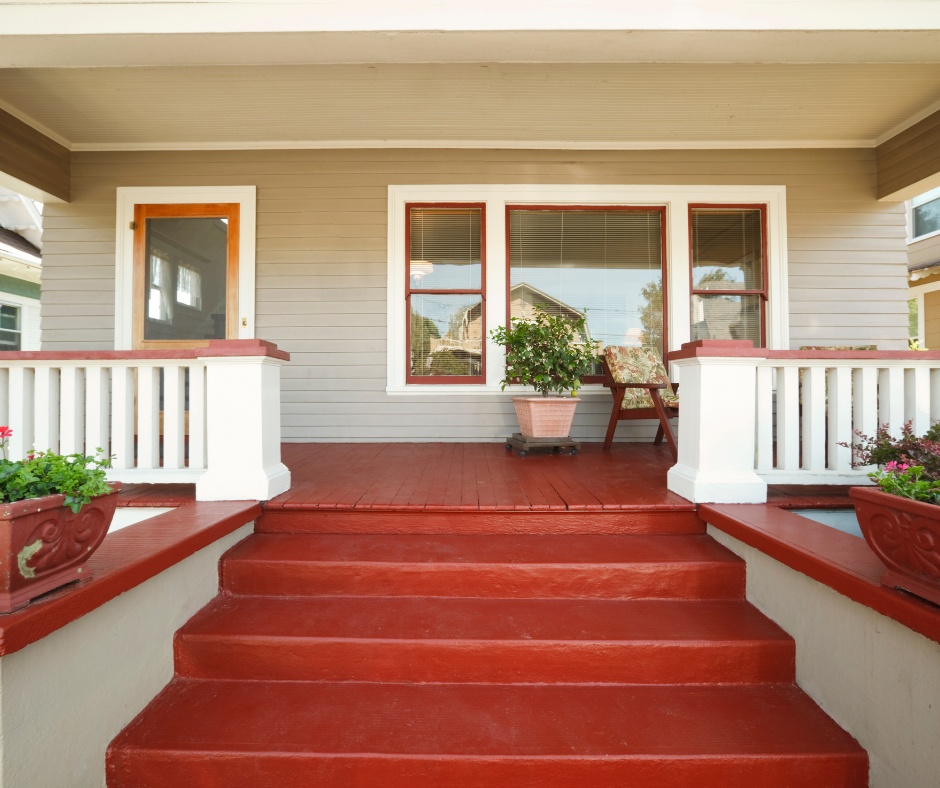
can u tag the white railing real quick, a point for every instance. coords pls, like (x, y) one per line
(205, 415)
(749, 417)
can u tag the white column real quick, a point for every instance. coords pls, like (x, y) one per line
(717, 432)
(243, 430)
(97, 409)
(174, 416)
(47, 409)
(765, 418)
(197, 416)
(122, 427)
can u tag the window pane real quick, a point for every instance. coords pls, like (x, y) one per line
(927, 218)
(727, 249)
(605, 264)
(10, 340)
(187, 265)
(446, 335)
(9, 317)
(726, 317)
(445, 249)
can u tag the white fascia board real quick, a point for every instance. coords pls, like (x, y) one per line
(150, 18)
(129, 196)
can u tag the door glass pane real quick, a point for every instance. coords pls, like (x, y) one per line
(726, 317)
(186, 268)
(605, 264)
(727, 249)
(446, 335)
(927, 218)
(445, 249)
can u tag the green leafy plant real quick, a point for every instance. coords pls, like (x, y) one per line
(907, 481)
(79, 477)
(546, 351)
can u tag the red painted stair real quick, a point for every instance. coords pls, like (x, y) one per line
(470, 659)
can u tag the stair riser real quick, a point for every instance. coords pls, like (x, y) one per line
(128, 769)
(483, 661)
(720, 580)
(338, 521)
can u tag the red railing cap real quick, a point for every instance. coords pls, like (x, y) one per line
(215, 347)
(743, 348)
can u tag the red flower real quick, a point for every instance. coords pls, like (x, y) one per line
(5, 432)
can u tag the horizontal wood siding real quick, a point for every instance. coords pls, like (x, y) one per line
(926, 251)
(909, 157)
(31, 156)
(321, 262)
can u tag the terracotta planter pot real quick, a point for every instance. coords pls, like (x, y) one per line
(905, 535)
(545, 417)
(43, 544)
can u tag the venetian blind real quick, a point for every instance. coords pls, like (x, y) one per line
(444, 248)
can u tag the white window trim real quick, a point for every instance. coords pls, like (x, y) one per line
(129, 196)
(676, 199)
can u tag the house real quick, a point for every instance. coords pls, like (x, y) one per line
(276, 238)
(20, 269)
(924, 266)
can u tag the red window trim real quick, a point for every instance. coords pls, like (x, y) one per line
(765, 261)
(438, 379)
(661, 209)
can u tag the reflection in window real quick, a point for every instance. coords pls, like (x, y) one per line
(926, 215)
(445, 297)
(728, 274)
(187, 270)
(10, 330)
(606, 264)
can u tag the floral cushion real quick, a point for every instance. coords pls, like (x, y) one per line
(639, 365)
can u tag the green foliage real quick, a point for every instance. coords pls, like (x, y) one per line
(912, 317)
(546, 352)
(79, 477)
(907, 482)
(651, 315)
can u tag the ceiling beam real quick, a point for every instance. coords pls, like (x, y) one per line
(31, 163)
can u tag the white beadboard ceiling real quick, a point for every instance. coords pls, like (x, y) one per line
(524, 105)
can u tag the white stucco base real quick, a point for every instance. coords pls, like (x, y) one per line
(875, 677)
(65, 697)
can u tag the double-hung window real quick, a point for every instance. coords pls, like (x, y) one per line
(602, 263)
(925, 214)
(729, 272)
(11, 330)
(444, 292)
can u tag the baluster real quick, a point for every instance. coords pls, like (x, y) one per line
(72, 424)
(934, 396)
(122, 428)
(4, 396)
(917, 399)
(788, 418)
(148, 417)
(47, 409)
(814, 418)
(891, 399)
(765, 419)
(197, 416)
(22, 380)
(865, 401)
(840, 418)
(173, 416)
(97, 402)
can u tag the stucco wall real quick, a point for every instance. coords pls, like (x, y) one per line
(322, 249)
(875, 677)
(65, 697)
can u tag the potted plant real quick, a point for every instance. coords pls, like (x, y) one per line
(54, 513)
(549, 353)
(901, 518)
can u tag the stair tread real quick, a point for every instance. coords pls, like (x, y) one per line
(484, 720)
(483, 548)
(461, 618)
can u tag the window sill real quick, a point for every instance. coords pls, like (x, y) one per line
(920, 238)
(843, 562)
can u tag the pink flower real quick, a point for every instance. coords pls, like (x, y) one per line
(5, 432)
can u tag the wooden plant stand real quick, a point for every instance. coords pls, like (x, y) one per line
(524, 445)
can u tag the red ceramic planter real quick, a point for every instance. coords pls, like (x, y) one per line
(905, 535)
(44, 544)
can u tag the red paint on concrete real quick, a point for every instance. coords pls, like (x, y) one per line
(648, 566)
(839, 560)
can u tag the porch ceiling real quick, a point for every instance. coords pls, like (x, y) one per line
(599, 105)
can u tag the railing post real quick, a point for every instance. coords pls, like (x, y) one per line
(243, 420)
(717, 426)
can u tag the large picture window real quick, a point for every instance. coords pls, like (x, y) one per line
(603, 263)
(728, 272)
(446, 282)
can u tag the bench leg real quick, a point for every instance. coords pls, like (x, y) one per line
(664, 424)
(659, 435)
(614, 416)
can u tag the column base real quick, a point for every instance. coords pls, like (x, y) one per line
(246, 485)
(711, 487)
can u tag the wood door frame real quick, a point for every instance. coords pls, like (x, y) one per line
(144, 211)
